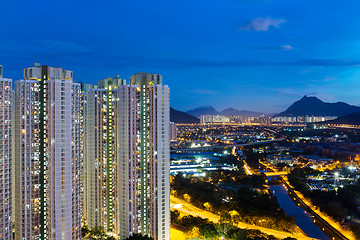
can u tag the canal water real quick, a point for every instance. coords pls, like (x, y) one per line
(303, 220)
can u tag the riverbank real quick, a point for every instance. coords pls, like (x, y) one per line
(303, 219)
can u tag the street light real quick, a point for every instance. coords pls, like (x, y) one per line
(335, 179)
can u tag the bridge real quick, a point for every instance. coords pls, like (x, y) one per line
(275, 174)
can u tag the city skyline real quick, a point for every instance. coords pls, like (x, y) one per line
(254, 55)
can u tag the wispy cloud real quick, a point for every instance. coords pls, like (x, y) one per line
(262, 24)
(286, 91)
(202, 91)
(282, 47)
(286, 47)
(61, 45)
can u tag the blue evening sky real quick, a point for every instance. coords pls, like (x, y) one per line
(257, 55)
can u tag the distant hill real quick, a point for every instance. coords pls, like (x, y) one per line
(235, 112)
(271, 114)
(203, 111)
(228, 111)
(182, 117)
(314, 106)
(352, 119)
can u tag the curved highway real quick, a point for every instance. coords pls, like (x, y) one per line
(186, 208)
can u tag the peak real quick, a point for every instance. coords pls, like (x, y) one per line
(205, 107)
(227, 109)
(311, 98)
(316, 107)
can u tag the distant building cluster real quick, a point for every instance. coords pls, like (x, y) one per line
(263, 120)
(173, 131)
(281, 158)
(214, 119)
(303, 119)
(73, 153)
(205, 119)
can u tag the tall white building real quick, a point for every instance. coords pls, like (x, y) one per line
(99, 153)
(5, 158)
(127, 159)
(48, 125)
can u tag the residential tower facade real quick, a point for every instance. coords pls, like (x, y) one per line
(126, 161)
(48, 125)
(5, 158)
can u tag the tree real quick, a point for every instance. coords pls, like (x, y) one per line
(225, 225)
(208, 230)
(207, 206)
(98, 233)
(187, 197)
(84, 231)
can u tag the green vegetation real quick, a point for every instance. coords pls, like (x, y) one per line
(98, 233)
(245, 205)
(252, 158)
(202, 229)
(297, 178)
(337, 204)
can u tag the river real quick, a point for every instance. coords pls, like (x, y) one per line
(303, 219)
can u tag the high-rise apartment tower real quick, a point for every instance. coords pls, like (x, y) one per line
(48, 125)
(5, 158)
(127, 163)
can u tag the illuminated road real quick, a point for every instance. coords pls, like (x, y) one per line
(271, 174)
(344, 126)
(188, 209)
(247, 169)
(333, 226)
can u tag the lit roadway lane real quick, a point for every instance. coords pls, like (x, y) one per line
(271, 174)
(189, 209)
(334, 227)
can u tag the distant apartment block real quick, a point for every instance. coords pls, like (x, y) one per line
(214, 119)
(173, 131)
(303, 119)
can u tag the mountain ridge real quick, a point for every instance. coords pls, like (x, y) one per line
(177, 116)
(209, 110)
(313, 106)
(351, 119)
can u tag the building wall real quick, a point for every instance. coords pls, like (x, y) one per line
(95, 158)
(5, 158)
(26, 159)
(173, 131)
(130, 139)
(62, 155)
(127, 157)
(77, 158)
(127, 194)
